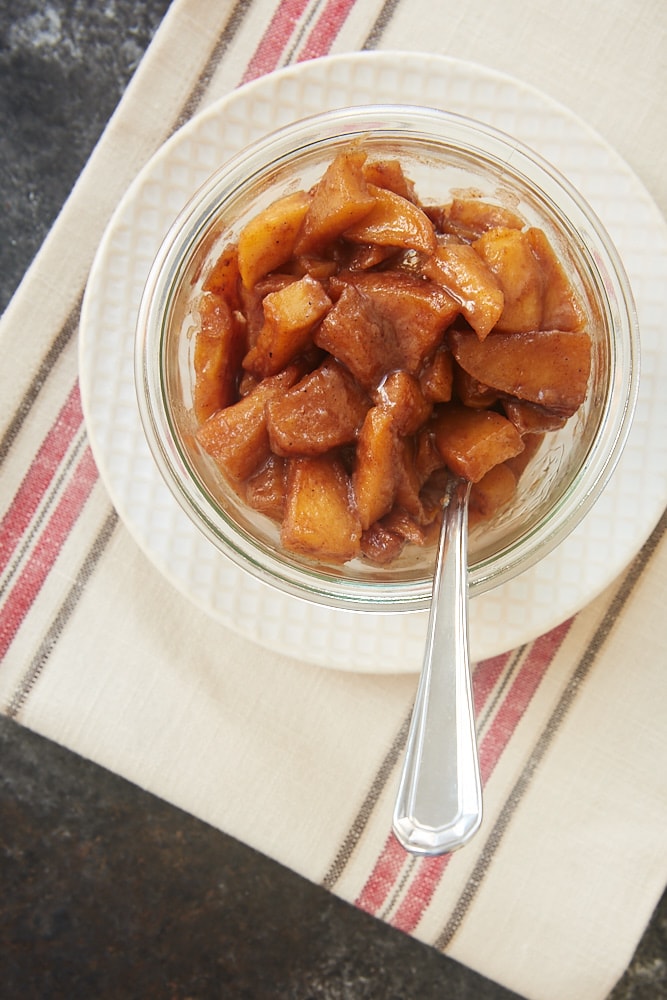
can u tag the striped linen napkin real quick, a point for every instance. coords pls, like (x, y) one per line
(102, 654)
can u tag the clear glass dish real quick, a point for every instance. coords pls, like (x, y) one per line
(442, 153)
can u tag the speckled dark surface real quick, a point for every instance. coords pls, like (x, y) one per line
(106, 892)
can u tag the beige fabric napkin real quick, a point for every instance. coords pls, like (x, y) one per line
(100, 653)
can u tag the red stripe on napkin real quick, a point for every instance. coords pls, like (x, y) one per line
(273, 41)
(39, 475)
(46, 550)
(511, 711)
(420, 892)
(325, 29)
(383, 877)
(485, 677)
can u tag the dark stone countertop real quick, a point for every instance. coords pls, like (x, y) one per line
(106, 891)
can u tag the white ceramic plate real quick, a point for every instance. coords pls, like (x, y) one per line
(514, 613)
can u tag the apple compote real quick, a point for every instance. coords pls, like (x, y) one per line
(355, 347)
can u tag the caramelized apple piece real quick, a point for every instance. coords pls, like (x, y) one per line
(252, 302)
(471, 392)
(394, 221)
(357, 335)
(367, 255)
(508, 254)
(320, 516)
(385, 539)
(324, 410)
(381, 545)
(389, 174)
(473, 441)
(265, 491)
(491, 493)
(252, 311)
(401, 523)
(401, 394)
(341, 199)
(470, 217)
(550, 367)
(219, 345)
(561, 309)
(223, 278)
(419, 310)
(408, 480)
(427, 457)
(289, 316)
(437, 377)
(267, 240)
(247, 383)
(465, 274)
(319, 268)
(383, 322)
(237, 437)
(529, 418)
(375, 474)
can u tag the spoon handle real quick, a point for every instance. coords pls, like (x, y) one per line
(439, 802)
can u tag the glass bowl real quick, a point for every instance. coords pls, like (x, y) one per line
(441, 153)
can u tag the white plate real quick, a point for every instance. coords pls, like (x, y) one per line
(512, 614)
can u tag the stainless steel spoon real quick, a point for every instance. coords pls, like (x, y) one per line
(439, 802)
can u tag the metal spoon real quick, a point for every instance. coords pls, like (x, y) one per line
(439, 802)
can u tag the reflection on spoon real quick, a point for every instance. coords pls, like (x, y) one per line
(439, 802)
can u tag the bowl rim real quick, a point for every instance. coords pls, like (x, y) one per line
(407, 122)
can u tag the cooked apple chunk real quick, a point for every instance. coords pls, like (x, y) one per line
(320, 517)
(437, 376)
(390, 174)
(561, 309)
(356, 334)
(223, 278)
(473, 441)
(375, 476)
(402, 394)
(489, 495)
(265, 490)
(509, 256)
(470, 217)
(408, 480)
(237, 437)
(219, 345)
(341, 198)
(419, 311)
(464, 274)
(323, 411)
(530, 418)
(471, 392)
(381, 545)
(267, 240)
(290, 313)
(394, 221)
(550, 367)
(384, 322)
